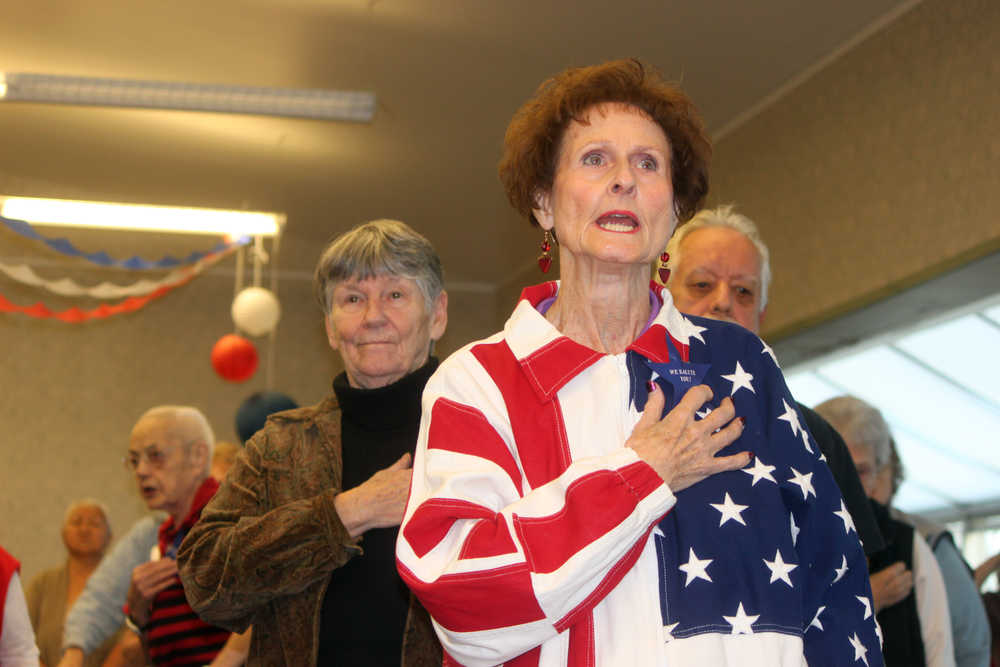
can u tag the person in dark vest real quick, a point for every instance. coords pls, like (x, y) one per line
(908, 590)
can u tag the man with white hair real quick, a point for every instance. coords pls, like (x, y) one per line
(170, 453)
(720, 268)
(97, 614)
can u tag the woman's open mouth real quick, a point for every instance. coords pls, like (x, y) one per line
(618, 221)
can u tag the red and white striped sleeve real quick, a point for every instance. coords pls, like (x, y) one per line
(503, 556)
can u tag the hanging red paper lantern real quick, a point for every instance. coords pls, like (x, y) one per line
(234, 358)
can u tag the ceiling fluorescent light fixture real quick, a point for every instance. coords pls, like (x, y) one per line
(137, 217)
(357, 106)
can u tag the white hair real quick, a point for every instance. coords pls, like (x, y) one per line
(724, 216)
(860, 423)
(89, 502)
(187, 424)
(377, 248)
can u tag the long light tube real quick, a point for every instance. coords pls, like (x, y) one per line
(136, 217)
(357, 106)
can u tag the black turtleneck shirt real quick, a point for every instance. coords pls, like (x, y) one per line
(364, 610)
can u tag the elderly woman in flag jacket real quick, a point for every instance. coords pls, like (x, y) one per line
(607, 481)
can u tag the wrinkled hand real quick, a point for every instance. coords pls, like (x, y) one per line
(148, 579)
(682, 450)
(378, 502)
(891, 585)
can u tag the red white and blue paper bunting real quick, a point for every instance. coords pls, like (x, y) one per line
(64, 246)
(25, 275)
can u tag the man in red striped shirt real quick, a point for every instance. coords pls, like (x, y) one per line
(170, 453)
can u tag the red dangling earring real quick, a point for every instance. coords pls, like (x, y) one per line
(663, 271)
(545, 259)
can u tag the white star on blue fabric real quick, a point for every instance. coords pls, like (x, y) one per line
(791, 416)
(805, 440)
(767, 350)
(730, 510)
(668, 631)
(804, 482)
(689, 330)
(795, 529)
(695, 568)
(842, 570)
(740, 379)
(860, 652)
(867, 604)
(878, 633)
(780, 569)
(846, 517)
(741, 622)
(815, 623)
(759, 471)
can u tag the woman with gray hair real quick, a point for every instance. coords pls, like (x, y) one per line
(280, 545)
(908, 590)
(866, 433)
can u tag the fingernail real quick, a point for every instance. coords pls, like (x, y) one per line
(650, 386)
(743, 421)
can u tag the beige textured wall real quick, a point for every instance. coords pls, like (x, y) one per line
(528, 274)
(880, 171)
(71, 393)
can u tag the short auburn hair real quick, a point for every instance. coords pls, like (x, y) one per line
(534, 137)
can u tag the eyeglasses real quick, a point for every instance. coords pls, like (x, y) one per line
(156, 458)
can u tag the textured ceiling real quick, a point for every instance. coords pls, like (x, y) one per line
(448, 75)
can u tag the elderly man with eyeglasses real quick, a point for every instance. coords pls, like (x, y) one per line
(170, 454)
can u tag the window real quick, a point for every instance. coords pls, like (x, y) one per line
(938, 387)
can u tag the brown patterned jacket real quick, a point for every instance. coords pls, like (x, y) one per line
(266, 544)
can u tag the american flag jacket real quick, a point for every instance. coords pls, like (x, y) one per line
(534, 537)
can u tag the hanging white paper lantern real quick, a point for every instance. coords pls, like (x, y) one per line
(256, 311)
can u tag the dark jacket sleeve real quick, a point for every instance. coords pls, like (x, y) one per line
(839, 460)
(257, 539)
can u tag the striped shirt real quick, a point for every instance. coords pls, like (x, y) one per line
(176, 637)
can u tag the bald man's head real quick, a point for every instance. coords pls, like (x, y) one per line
(170, 452)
